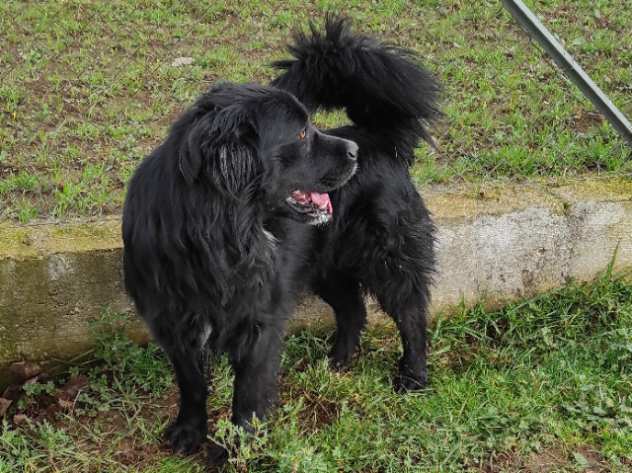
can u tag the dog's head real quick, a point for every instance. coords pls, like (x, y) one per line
(258, 141)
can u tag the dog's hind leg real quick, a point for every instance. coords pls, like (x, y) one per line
(344, 296)
(189, 357)
(410, 318)
(400, 279)
(256, 366)
(403, 291)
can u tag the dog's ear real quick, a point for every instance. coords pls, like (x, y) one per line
(191, 151)
(220, 143)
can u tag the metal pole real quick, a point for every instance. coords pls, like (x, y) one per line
(574, 71)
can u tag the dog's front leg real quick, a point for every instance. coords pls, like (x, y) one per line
(188, 432)
(255, 389)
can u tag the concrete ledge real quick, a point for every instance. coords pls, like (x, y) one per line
(496, 242)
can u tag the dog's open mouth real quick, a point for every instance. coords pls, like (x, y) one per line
(315, 205)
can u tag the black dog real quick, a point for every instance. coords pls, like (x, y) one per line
(381, 238)
(218, 241)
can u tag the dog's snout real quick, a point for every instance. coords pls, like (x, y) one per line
(352, 151)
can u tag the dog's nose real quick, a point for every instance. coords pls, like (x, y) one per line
(352, 151)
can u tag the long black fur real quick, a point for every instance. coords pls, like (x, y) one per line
(381, 240)
(214, 259)
(382, 87)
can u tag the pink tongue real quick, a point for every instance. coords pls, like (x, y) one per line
(322, 201)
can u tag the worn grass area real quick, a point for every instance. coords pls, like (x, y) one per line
(88, 88)
(540, 385)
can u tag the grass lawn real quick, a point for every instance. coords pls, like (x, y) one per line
(88, 87)
(540, 385)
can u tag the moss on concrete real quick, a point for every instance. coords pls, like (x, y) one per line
(35, 240)
(14, 241)
(469, 201)
(608, 189)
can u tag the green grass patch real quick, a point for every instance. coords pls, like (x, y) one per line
(540, 385)
(88, 88)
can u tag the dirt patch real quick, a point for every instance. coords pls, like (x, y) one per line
(504, 462)
(585, 120)
(550, 459)
(126, 446)
(318, 412)
(38, 400)
(594, 461)
(130, 452)
(119, 430)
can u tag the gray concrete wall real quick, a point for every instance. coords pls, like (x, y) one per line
(496, 243)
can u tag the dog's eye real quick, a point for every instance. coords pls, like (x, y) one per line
(302, 134)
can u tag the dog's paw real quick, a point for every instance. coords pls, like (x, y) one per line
(405, 382)
(216, 455)
(185, 437)
(339, 363)
(340, 357)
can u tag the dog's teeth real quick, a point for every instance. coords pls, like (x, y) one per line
(320, 218)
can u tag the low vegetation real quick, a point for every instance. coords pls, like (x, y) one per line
(540, 385)
(88, 88)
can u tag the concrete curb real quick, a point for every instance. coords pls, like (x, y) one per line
(496, 242)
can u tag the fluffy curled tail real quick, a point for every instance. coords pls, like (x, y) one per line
(382, 87)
